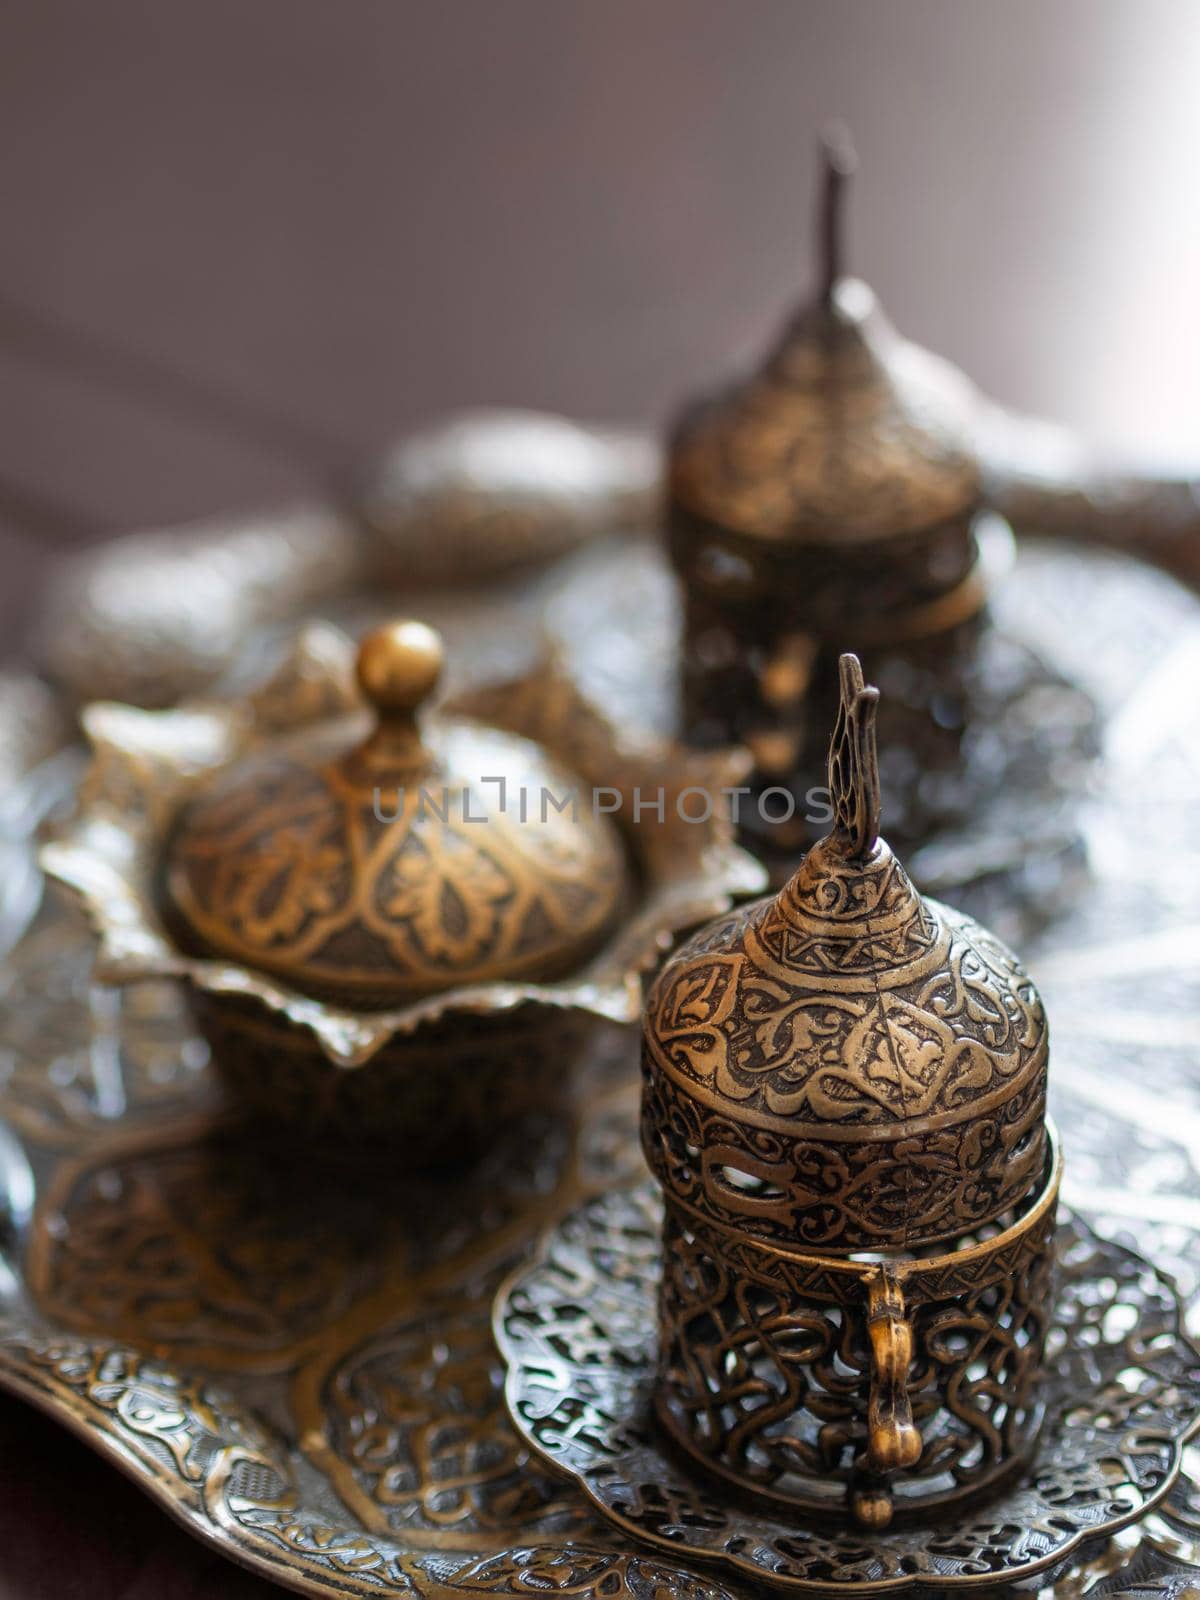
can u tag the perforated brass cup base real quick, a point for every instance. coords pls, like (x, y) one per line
(1122, 1395)
(899, 1383)
(871, 1504)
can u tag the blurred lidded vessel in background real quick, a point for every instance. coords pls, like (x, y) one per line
(830, 501)
(844, 1104)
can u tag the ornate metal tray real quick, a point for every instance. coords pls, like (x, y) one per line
(298, 1364)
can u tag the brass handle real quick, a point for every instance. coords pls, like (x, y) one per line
(893, 1439)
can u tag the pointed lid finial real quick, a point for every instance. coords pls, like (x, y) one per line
(839, 163)
(854, 762)
(846, 434)
(856, 1021)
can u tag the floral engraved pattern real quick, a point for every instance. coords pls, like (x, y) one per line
(846, 1065)
(309, 910)
(418, 1425)
(421, 894)
(349, 882)
(828, 441)
(817, 1194)
(89, 1074)
(280, 867)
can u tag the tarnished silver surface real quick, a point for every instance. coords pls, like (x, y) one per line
(148, 771)
(34, 725)
(999, 835)
(490, 491)
(154, 616)
(1050, 483)
(311, 1389)
(157, 615)
(36, 762)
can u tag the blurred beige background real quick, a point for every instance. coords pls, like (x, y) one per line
(247, 240)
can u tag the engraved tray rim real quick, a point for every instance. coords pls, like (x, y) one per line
(379, 1563)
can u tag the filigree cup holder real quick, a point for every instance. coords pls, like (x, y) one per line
(844, 1106)
(1116, 1403)
(818, 1354)
(870, 1386)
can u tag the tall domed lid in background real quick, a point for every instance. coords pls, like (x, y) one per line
(846, 1066)
(372, 866)
(848, 433)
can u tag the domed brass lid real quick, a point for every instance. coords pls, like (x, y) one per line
(846, 1066)
(430, 854)
(848, 433)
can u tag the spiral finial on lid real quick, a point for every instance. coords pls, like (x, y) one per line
(854, 762)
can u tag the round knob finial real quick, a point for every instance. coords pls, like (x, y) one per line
(399, 665)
